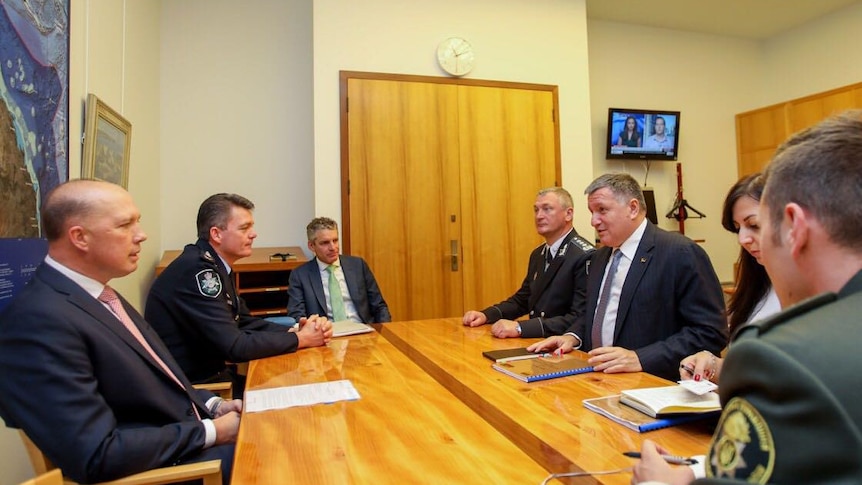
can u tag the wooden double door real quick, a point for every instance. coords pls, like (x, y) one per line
(439, 178)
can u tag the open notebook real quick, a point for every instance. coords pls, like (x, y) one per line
(344, 328)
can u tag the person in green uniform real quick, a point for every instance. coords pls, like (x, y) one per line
(790, 385)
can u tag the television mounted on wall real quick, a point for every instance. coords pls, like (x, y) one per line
(640, 134)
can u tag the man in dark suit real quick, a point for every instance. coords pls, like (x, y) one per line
(552, 293)
(349, 278)
(658, 303)
(90, 382)
(789, 385)
(195, 308)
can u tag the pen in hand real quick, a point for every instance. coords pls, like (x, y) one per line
(672, 459)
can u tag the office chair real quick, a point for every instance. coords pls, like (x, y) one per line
(222, 389)
(209, 471)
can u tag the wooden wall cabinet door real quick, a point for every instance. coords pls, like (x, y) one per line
(439, 181)
(761, 131)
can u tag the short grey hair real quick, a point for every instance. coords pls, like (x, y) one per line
(622, 185)
(319, 223)
(562, 194)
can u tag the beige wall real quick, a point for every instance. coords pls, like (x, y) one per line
(236, 114)
(708, 79)
(113, 54)
(812, 58)
(542, 41)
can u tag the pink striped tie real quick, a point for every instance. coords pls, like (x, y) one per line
(110, 297)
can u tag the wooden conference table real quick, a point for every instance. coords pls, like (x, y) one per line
(432, 410)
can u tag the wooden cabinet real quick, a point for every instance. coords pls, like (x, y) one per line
(260, 279)
(761, 131)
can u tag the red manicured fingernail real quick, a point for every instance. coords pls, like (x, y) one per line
(697, 377)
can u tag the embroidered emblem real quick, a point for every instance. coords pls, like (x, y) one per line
(742, 448)
(209, 283)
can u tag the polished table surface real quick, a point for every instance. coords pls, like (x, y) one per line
(546, 419)
(405, 428)
(434, 411)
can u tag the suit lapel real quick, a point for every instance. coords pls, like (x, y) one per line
(317, 286)
(81, 299)
(547, 277)
(594, 283)
(639, 265)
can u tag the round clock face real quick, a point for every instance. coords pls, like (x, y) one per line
(456, 56)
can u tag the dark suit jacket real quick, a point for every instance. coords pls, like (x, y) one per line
(671, 304)
(306, 297)
(201, 330)
(85, 391)
(554, 298)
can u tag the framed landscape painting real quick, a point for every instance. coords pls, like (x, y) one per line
(107, 144)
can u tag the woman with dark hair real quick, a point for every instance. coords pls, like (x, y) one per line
(754, 297)
(630, 136)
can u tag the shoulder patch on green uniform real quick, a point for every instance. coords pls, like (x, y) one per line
(209, 283)
(801, 308)
(742, 447)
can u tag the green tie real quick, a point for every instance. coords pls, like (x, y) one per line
(335, 297)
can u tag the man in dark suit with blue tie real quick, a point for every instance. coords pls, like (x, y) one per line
(339, 286)
(84, 375)
(657, 301)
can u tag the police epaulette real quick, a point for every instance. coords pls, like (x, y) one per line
(805, 306)
(206, 256)
(583, 244)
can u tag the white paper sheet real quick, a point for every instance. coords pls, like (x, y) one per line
(301, 395)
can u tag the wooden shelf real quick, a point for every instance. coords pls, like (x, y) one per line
(260, 281)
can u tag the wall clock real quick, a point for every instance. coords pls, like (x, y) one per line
(456, 56)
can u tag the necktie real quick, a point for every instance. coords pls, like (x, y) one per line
(110, 297)
(549, 256)
(602, 307)
(335, 297)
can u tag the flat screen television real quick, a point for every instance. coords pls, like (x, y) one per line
(639, 134)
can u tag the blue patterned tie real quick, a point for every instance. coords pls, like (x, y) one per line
(602, 307)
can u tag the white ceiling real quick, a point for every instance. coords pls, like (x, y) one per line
(753, 19)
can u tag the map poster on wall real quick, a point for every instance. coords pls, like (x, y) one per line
(34, 126)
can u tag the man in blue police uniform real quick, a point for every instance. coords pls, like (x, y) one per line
(195, 308)
(553, 291)
(790, 384)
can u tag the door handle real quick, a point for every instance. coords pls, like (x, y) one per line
(453, 246)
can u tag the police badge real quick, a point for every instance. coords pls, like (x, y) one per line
(209, 283)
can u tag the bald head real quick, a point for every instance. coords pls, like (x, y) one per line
(93, 227)
(71, 203)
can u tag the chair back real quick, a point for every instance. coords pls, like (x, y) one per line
(208, 471)
(41, 463)
(53, 477)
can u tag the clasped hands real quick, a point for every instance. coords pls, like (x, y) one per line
(313, 331)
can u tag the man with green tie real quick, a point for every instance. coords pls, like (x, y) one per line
(339, 286)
